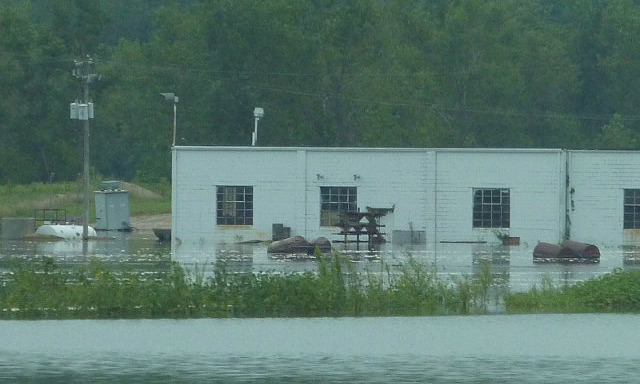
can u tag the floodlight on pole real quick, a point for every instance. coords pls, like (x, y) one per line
(257, 114)
(171, 97)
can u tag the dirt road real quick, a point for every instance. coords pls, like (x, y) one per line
(144, 224)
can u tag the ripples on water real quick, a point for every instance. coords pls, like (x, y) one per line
(511, 267)
(470, 349)
(403, 369)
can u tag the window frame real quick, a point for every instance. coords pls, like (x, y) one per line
(334, 200)
(631, 208)
(234, 205)
(491, 208)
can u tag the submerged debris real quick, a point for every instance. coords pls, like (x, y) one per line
(299, 245)
(567, 252)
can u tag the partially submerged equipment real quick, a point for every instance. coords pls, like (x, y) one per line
(163, 234)
(112, 207)
(322, 243)
(568, 251)
(298, 244)
(295, 244)
(63, 231)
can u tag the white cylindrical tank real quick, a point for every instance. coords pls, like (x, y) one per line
(64, 231)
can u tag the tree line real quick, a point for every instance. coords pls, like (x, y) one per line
(378, 73)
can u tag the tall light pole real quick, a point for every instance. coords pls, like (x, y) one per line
(257, 114)
(170, 96)
(83, 110)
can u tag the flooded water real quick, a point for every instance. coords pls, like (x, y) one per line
(512, 267)
(466, 349)
(119, 247)
(460, 349)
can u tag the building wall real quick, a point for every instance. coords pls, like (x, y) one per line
(430, 190)
(535, 179)
(199, 170)
(384, 179)
(286, 184)
(597, 183)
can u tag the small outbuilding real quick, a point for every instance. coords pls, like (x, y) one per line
(112, 207)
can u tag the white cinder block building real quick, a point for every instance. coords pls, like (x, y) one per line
(603, 196)
(232, 194)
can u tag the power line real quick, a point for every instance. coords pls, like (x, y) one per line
(247, 75)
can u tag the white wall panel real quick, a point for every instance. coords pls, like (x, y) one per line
(429, 189)
(532, 176)
(598, 179)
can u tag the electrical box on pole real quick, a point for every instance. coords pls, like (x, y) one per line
(73, 111)
(83, 111)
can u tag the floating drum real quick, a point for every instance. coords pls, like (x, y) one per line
(546, 250)
(568, 252)
(322, 243)
(295, 244)
(581, 250)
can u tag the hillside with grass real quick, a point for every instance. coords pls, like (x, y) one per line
(25, 200)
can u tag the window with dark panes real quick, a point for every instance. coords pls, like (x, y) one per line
(333, 201)
(491, 208)
(631, 209)
(234, 205)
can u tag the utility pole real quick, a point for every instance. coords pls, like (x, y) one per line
(83, 110)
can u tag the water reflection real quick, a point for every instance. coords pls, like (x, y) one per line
(123, 249)
(541, 349)
(631, 256)
(510, 267)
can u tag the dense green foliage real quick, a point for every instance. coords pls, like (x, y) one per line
(472, 73)
(615, 292)
(43, 290)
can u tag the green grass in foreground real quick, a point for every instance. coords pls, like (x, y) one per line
(45, 291)
(617, 292)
